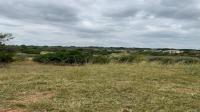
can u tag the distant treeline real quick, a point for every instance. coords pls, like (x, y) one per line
(104, 50)
(101, 55)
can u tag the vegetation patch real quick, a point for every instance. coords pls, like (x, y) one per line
(100, 59)
(174, 59)
(67, 57)
(6, 57)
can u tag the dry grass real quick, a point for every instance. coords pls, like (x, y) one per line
(28, 86)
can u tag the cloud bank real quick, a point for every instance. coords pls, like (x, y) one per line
(127, 23)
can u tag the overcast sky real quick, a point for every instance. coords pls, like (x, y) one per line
(127, 23)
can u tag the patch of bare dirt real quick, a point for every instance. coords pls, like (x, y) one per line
(186, 90)
(172, 87)
(36, 97)
(13, 110)
(126, 110)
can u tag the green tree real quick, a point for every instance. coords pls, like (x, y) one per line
(5, 37)
(5, 54)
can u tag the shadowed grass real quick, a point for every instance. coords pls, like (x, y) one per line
(29, 86)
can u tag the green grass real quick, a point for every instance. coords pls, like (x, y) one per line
(145, 87)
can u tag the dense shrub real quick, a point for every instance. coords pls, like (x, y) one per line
(82, 57)
(100, 59)
(69, 57)
(173, 60)
(123, 59)
(6, 57)
(31, 51)
(128, 58)
(188, 60)
(6, 54)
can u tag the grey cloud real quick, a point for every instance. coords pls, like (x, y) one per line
(124, 13)
(9, 25)
(171, 9)
(163, 35)
(176, 9)
(179, 3)
(38, 12)
(129, 23)
(177, 13)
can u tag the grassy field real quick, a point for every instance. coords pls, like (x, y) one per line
(28, 87)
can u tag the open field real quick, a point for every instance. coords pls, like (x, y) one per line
(29, 86)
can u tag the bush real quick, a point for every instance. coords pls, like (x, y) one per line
(188, 60)
(6, 57)
(128, 58)
(70, 57)
(123, 59)
(173, 60)
(100, 59)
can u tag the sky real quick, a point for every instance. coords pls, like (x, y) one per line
(108, 23)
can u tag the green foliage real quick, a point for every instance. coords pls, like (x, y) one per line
(188, 60)
(123, 59)
(72, 57)
(64, 55)
(69, 57)
(128, 58)
(30, 49)
(6, 57)
(5, 37)
(154, 53)
(100, 59)
(173, 60)
(6, 54)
